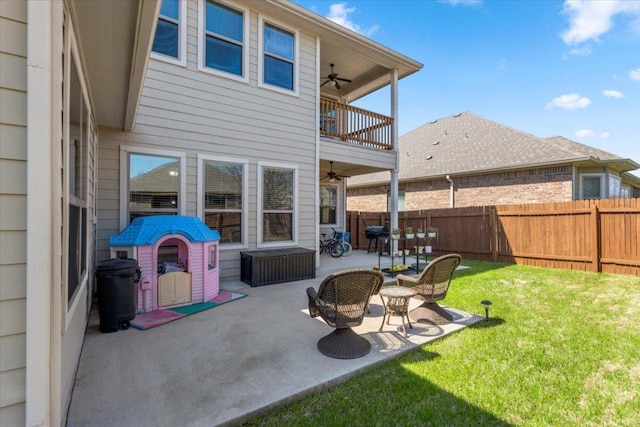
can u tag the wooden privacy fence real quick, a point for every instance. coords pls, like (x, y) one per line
(587, 235)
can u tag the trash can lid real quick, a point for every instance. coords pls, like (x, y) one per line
(117, 264)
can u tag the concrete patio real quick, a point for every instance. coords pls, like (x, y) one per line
(231, 363)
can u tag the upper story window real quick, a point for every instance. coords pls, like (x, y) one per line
(225, 37)
(279, 52)
(170, 40)
(277, 218)
(222, 198)
(152, 183)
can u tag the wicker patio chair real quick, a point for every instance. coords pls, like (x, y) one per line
(432, 285)
(341, 301)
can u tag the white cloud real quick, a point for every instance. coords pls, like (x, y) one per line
(591, 19)
(604, 135)
(610, 93)
(635, 74)
(339, 13)
(584, 133)
(571, 101)
(578, 51)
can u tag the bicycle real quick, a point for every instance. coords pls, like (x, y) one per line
(333, 245)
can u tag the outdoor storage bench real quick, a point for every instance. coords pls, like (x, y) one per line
(266, 267)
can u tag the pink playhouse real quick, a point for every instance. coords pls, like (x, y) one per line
(178, 258)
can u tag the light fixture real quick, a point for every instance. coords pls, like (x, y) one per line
(332, 179)
(173, 173)
(332, 83)
(487, 305)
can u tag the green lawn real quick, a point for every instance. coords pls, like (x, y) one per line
(562, 348)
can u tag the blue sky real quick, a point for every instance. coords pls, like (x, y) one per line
(569, 68)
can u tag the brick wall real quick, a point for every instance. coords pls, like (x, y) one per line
(553, 184)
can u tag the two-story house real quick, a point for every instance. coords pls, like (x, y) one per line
(226, 110)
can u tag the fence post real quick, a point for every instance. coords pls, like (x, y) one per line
(596, 266)
(493, 233)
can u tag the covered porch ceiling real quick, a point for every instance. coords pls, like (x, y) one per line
(114, 39)
(348, 169)
(366, 63)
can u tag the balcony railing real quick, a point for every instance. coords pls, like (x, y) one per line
(355, 125)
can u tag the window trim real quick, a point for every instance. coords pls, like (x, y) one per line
(602, 177)
(202, 45)
(124, 178)
(181, 60)
(245, 196)
(260, 243)
(296, 61)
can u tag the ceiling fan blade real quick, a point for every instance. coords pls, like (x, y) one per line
(343, 80)
(325, 82)
(337, 84)
(337, 177)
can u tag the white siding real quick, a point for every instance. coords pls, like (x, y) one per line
(13, 209)
(199, 113)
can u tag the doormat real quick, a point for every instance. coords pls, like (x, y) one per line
(152, 319)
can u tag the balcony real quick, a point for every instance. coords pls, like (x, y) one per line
(355, 125)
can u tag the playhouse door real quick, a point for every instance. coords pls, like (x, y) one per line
(174, 288)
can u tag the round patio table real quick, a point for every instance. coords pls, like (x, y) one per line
(397, 304)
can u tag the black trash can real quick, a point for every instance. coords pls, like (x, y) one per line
(117, 293)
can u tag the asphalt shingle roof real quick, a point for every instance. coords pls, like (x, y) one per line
(466, 143)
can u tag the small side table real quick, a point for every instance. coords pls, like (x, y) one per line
(397, 304)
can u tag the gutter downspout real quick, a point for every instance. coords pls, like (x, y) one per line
(452, 203)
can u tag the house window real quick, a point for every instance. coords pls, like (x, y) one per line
(223, 199)
(401, 207)
(614, 187)
(153, 182)
(328, 204)
(224, 38)
(592, 186)
(169, 41)
(278, 188)
(625, 192)
(76, 174)
(278, 63)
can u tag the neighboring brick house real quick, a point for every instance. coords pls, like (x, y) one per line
(466, 160)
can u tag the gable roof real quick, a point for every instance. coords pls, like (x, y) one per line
(466, 144)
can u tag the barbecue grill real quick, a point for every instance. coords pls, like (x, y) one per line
(373, 232)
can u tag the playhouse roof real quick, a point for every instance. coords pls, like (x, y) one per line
(147, 230)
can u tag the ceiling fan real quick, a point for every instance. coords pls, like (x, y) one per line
(333, 177)
(333, 79)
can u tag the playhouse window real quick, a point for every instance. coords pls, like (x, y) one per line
(213, 257)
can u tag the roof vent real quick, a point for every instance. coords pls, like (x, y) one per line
(429, 157)
(432, 122)
(445, 132)
(457, 115)
(436, 143)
